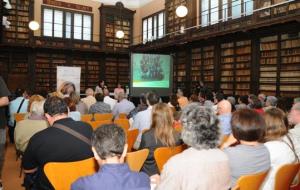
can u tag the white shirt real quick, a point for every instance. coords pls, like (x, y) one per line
(89, 100)
(295, 135)
(110, 101)
(280, 154)
(142, 121)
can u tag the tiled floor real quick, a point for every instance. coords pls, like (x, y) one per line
(11, 170)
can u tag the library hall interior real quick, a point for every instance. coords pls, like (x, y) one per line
(150, 95)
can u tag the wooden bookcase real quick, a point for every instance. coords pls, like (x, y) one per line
(290, 65)
(179, 71)
(19, 18)
(268, 64)
(227, 67)
(196, 66)
(114, 18)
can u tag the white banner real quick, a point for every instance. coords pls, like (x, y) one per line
(68, 74)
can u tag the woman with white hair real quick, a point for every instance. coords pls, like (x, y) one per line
(25, 129)
(203, 165)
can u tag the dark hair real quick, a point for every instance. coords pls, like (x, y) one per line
(284, 104)
(152, 98)
(99, 97)
(174, 100)
(143, 99)
(248, 125)
(109, 140)
(256, 103)
(219, 96)
(67, 87)
(55, 105)
(244, 99)
(194, 98)
(19, 92)
(70, 103)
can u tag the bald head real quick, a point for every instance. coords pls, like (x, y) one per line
(106, 92)
(224, 107)
(89, 92)
(294, 116)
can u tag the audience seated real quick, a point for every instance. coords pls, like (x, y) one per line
(218, 97)
(278, 142)
(250, 100)
(257, 105)
(89, 99)
(141, 107)
(100, 87)
(271, 102)
(118, 90)
(173, 103)
(242, 102)
(109, 148)
(161, 134)
(294, 119)
(123, 106)
(202, 166)
(34, 98)
(108, 100)
(26, 128)
(262, 98)
(193, 98)
(18, 105)
(67, 88)
(99, 106)
(224, 116)
(142, 120)
(182, 100)
(75, 115)
(54, 144)
(250, 156)
(80, 106)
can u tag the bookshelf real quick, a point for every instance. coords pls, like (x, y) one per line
(111, 72)
(268, 64)
(19, 18)
(227, 66)
(92, 73)
(81, 62)
(290, 65)
(114, 18)
(123, 71)
(180, 70)
(208, 54)
(196, 65)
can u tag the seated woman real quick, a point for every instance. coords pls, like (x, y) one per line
(161, 134)
(26, 128)
(250, 156)
(75, 115)
(278, 142)
(203, 165)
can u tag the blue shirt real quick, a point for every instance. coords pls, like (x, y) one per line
(13, 108)
(124, 106)
(225, 125)
(113, 176)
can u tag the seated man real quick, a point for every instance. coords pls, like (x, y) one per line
(26, 128)
(109, 148)
(89, 99)
(57, 143)
(123, 106)
(99, 106)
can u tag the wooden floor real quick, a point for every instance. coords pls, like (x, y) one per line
(11, 169)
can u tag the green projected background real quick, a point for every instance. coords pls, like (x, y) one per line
(151, 71)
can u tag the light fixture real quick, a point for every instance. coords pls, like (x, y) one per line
(181, 11)
(120, 34)
(34, 25)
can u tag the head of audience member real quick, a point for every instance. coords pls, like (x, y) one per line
(174, 100)
(75, 97)
(119, 85)
(109, 144)
(284, 104)
(20, 92)
(202, 96)
(120, 96)
(99, 97)
(271, 101)
(89, 92)
(37, 108)
(162, 123)
(101, 83)
(34, 98)
(256, 103)
(262, 97)
(194, 98)
(209, 95)
(143, 99)
(296, 100)
(276, 124)
(152, 98)
(248, 126)
(231, 99)
(55, 108)
(243, 100)
(66, 88)
(57, 94)
(250, 98)
(179, 93)
(70, 103)
(200, 127)
(218, 97)
(224, 107)
(106, 92)
(294, 116)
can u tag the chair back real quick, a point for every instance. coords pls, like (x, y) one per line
(122, 116)
(251, 182)
(103, 116)
(124, 123)
(19, 116)
(96, 124)
(135, 160)
(131, 138)
(86, 117)
(285, 176)
(163, 154)
(62, 174)
(296, 186)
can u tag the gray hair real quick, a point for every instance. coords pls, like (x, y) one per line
(272, 100)
(37, 108)
(200, 127)
(231, 99)
(296, 100)
(89, 92)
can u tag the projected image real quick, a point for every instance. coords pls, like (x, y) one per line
(151, 71)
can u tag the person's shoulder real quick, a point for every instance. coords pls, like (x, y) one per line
(86, 182)
(142, 177)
